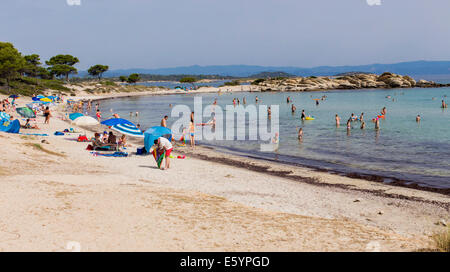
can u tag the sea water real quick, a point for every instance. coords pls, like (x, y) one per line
(402, 148)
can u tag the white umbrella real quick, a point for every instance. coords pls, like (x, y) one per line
(85, 121)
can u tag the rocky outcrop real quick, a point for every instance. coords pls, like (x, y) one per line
(356, 81)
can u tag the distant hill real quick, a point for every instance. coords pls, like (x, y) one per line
(271, 75)
(407, 68)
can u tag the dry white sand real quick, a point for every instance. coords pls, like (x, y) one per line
(52, 196)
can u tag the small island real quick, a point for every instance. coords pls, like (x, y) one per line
(352, 81)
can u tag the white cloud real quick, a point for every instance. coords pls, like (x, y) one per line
(73, 2)
(374, 2)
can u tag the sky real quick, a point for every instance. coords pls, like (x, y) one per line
(168, 33)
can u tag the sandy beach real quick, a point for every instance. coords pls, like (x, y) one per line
(56, 195)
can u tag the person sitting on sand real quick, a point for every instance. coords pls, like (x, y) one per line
(98, 143)
(123, 141)
(105, 137)
(29, 126)
(112, 138)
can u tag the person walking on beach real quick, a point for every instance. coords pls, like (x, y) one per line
(99, 115)
(47, 115)
(338, 120)
(192, 133)
(164, 144)
(164, 121)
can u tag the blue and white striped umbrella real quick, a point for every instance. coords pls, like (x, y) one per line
(4, 116)
(127, 129)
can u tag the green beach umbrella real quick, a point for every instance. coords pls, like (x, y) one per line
(26, 112)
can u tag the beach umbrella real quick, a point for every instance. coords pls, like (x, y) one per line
(153, 133)
(13, 96)
(26, 112)
(116, 121)
(4, 116)
(46, 99)
(85, 121)
(130, 130)
(75, 115)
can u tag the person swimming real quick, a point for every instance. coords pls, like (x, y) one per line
(300, 134)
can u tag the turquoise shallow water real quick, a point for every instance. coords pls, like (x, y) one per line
(401, 149)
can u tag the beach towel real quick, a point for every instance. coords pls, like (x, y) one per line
(58, 133)
(33, 134)
(115, 154)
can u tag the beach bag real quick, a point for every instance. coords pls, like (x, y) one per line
(82, 138)
(140, 151)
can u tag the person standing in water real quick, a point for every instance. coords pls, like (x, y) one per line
(377, 123)
(164, 121)
(288, 100)
(244, 101)
(363, 125)
(256, 99)
(444, 105)
(361, 117)
(303, 115)
(418, 118)
(293, 108)
(338, 120)
(300, 134)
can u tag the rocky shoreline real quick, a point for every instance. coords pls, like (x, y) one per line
(356, 81)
